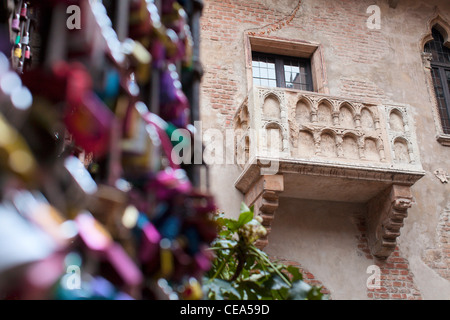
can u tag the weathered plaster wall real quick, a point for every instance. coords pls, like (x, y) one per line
(382, 65)
(321, 235)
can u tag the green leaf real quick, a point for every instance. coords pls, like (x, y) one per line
(222, 289)
(315, 294)
(295, 272)
(245, 218)
(232, 225)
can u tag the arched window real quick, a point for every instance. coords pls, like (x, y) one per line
(440, 70)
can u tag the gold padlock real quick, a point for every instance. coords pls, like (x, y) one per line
(15, 154)
(140, 57)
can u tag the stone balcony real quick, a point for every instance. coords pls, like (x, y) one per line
(307, 145)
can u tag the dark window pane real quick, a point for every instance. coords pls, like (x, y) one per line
(436, 47)
(442, 97)
(441, 76)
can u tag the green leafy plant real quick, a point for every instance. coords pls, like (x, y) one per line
(241, 271)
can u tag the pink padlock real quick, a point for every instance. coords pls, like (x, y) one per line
(27, 53)
(24, 11)
(150, 243)
(94, 236)
(123, 272)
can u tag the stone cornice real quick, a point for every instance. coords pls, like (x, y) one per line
(253, 171)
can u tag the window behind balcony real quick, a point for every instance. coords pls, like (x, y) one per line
(270, 70)
(440, 64)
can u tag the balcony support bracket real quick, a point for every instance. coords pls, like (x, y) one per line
(264, 196)
(386, 213)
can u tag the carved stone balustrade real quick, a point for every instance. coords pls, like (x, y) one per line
(327, 148)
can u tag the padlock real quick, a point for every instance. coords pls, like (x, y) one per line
(25, 39)
(89, 122)
(203, 206)
(170, 228)
(171, 42)
(166, 259)
(24, 12)
(41, 277)
(140, 59)
(16, 156)
(27, 54)
(177, 22)
(100, 288)
(174, 103)
(93, 235)
(15, 99)
(193, 240)
(17, 41)
(192, 290)
(115, 263)
(169, 183)
(141, 144)
(21, 242)
(42, 214)
(108, 205)
(202, 263)
(109, 89)
(149, 244)
(182, 260)
(120, 270)
(15, 24)
(18, 50)
(158, 52)
(140, 23)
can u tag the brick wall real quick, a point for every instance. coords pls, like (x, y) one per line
(308, 277)
(224, 22)
(360, 89)
(397, 280)
(220, 89)
(344, 24)
(341, 27)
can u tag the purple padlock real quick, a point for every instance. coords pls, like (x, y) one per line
(174, 103)
(15, 24)
(158, 52)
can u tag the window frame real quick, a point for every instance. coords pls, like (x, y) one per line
(289, 47)
(280, 62)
